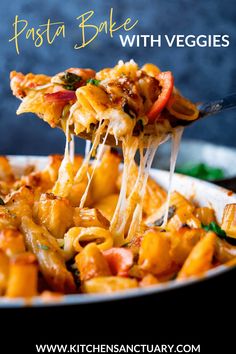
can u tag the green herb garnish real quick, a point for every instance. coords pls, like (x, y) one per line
(2, 201)
(94, 82)
(201, 171)
(70, 80)
(44, 247)
(213, 226)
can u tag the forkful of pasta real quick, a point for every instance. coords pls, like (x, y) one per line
(114, 103)
(135, 108)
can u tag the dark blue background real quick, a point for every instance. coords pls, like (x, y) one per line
(200, 73)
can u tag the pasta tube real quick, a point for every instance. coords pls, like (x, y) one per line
(55, 213)
(229, 220)
(182, 108)
(105, 176)
(49, 255)
(224, 252)
(85, 217)
(91, 263)
(11, 242)
(205, 215)
(21, 202)
(7, 219)
(77, 237)
(6, 173)
(182, 243)
(108, 284)
(154, 255)
(107, 205)
(199, 259)
(148, 280)
(23, 276)
(4, 272)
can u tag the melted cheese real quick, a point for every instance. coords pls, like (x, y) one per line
(118, 222)
(176, 138)
(65, 178)
(127, 217)
(83, 170)
(95, 165)
(145, 167)
(93, 106)
(72, 148)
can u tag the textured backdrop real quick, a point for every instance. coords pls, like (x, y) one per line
(201, 73)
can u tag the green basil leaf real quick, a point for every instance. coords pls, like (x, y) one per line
(94, 82)
(213, 226)
(70, 78)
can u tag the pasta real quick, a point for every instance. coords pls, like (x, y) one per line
(91, 263)
(128, 104)
(4, 272)
(45, 237)
(50, 259)
(22, 276)
(11, 242)
(108, 284)
(200, 258)
(83, 225)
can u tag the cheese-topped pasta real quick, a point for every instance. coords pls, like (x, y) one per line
(91, 227)
(124, 102)
(130, 100)
(49, 242)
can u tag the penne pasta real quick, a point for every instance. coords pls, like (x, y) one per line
(87, 217)
(75, 245)
(77, 237)
(182, 243)
(20, 203)
(55, 213)
(7, 219)
(91, 263)
(108, 284)
(229, 220)
(4, 272)
(200, 258)
(205, 215)
(104, 179)
(12, 242)
(6, 173)
(23, 276)
(154, 254)
(49, 256)
(88, 225)
(107, 205)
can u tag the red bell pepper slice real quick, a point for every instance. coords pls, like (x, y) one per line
(60, 96)
(166, 80)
